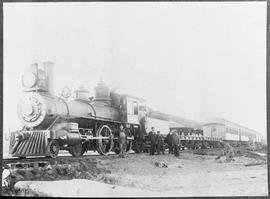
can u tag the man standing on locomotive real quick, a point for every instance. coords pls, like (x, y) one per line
(122, 142)
(153, 140)
(160, 143)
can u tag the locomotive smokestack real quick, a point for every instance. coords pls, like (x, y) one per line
(48, 68)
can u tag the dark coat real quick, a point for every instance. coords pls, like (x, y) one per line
(175, 139)
(152, 137)
(160, 139)
(169, 139)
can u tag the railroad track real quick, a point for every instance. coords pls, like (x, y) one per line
(43, 161)
(200, 150)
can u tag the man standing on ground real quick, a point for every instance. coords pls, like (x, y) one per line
(160, 143)
(169, 141)
(176, 143)
(122, 142)
(152, 137)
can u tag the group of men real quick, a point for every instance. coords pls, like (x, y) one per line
(157, 142)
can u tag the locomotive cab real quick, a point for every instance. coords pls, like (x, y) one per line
(130, 106)
(131, 116)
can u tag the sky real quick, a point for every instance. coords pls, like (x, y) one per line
(193, 59)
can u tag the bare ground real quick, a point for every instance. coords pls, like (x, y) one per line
(188, 175)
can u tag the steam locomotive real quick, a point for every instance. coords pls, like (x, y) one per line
(53, 123)
(86, 123)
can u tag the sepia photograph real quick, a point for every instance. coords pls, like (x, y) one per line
(135, 99)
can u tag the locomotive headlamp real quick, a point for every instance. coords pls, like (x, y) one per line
(29, 79)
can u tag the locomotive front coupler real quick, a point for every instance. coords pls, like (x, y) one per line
(22, 136)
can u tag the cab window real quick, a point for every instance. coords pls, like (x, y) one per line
(132, 108)
(135, 108)
(129, 108)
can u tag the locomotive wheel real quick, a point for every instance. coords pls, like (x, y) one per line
(53, 148)
(76, 150)
(104, 146)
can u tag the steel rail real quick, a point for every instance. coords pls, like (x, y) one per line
(58, 158)
(63, 157)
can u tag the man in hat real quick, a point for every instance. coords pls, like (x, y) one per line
(153, 141)
(160, 143)
(176, 143)
(122, 141)
(169, 141)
